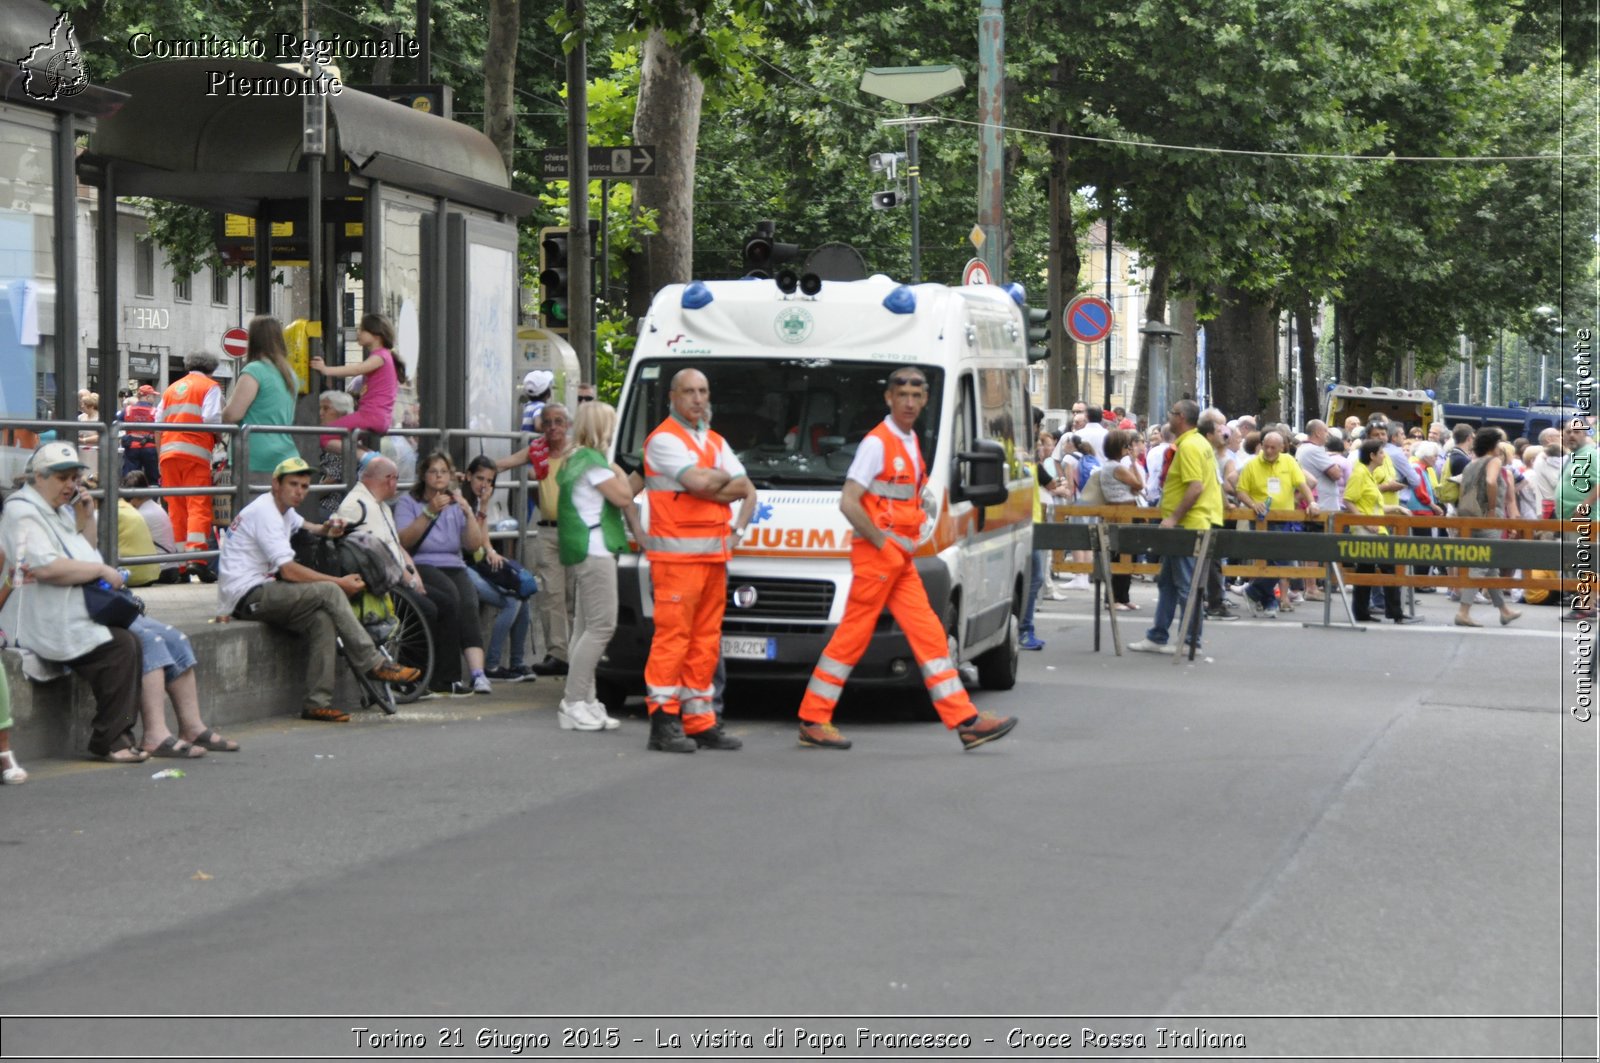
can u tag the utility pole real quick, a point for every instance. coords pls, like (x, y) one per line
(991, 155)
(580, 310)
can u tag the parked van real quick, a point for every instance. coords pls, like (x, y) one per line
(796, 383)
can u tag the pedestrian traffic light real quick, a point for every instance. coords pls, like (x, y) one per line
(1038, 334)
(553, 279)
(763, 253)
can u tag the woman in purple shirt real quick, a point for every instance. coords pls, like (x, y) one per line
(435, 524)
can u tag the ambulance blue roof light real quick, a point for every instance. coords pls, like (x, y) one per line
(901, 301)
(696, 295)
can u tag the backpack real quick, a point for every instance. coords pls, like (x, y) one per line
(1449, 492)
(355, 551)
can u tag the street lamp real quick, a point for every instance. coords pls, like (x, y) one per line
(1158, 368)
(912, 86)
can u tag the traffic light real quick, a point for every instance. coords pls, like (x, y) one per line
(762, 252)
(553, 278)
(1038, 334)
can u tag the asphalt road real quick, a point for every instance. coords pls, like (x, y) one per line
(1302, 826)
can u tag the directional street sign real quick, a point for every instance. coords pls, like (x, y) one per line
(976, 272)
(625, 163)
(1088, 319)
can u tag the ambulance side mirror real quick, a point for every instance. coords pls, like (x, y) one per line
(981, 475)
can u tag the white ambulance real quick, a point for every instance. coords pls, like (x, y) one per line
(796, 381)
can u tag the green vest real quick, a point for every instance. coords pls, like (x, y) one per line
(572, 534)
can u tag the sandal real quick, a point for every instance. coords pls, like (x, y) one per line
(326, 715)
(209, 739)
(172, 748)
(12, 774)
(134, 755)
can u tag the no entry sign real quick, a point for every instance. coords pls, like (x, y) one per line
(1088, 319)
(235, 342)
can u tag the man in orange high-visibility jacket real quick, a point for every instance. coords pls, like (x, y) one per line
(185, 455)
(690, 479)
(883, 501)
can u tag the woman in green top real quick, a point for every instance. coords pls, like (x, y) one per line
(264, 394)
(596, 498)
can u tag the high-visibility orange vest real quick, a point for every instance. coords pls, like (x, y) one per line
(893, 499)
(683, 527)
(183, 400)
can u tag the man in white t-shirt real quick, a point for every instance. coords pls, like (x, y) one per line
(1325, 471)
(259, 579)
(1093, 431)
(886, 501)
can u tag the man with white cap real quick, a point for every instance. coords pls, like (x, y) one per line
(536, 388)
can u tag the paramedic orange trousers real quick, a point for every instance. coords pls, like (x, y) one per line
(690, 598)
(878, 578)
(191, 514)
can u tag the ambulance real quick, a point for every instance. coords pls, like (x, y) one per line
(797, 375)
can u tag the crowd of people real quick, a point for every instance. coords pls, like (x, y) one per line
(437, 538)
(1375, 467)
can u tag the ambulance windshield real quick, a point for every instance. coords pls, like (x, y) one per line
(794, 422)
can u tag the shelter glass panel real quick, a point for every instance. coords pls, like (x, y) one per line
(27, 266)
(401, 299)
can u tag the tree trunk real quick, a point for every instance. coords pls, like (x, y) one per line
(500, 77)
(1310, 387)
(1155, 309)
(1064, 261)
(383, 69)
(1185, 350)
(668, 118)
(1240, 348)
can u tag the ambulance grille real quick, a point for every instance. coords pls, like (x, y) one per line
(781, 599)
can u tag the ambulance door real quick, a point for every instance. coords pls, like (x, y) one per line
(967, 518)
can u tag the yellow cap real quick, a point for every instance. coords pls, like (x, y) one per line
(290, 465)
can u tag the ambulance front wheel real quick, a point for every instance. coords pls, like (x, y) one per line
(997, 668)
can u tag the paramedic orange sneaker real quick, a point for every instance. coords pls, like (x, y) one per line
(822, 736)
(984, 727)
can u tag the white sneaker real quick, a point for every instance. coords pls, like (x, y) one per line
(1080, 582)
(597, 709)
(1146, 646)
(577, 716)
(1055, 592)
(481, 685)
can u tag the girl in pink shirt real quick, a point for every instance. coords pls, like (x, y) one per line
(383, 373)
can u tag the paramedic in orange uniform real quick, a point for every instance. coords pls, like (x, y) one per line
(883, 501)
(691, 479)
(185, 454)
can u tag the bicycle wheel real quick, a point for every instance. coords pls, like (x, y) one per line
(409, 643)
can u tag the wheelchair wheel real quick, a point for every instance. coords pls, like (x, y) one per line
(410, 643)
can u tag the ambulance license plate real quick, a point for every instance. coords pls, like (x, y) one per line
(750, 649)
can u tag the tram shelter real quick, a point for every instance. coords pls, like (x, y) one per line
(422, 203)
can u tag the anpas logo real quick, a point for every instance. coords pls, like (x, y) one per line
(55, 67)
(794, 325)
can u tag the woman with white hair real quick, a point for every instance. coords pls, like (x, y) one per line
(332, 405)
(45, 538)
(596, 500)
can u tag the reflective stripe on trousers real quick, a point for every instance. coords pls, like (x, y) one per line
(882, 579)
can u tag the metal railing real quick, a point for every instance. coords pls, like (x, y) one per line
(106, 464)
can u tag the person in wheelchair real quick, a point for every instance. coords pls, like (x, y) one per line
(260, 580)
